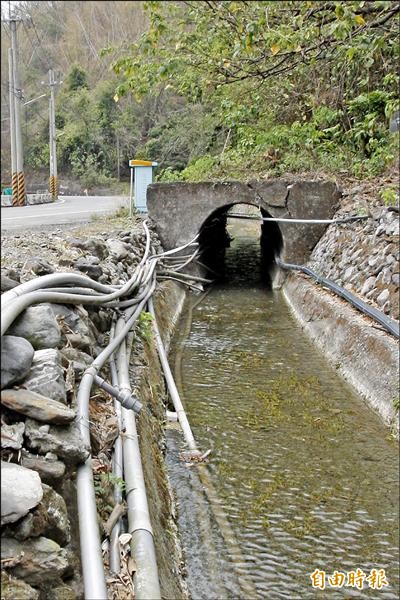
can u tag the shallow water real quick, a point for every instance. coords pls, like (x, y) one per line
(305, 473)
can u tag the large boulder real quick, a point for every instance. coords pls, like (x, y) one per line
(21, 490)
(16, 359)
(40, 561)
(49, 519)
(37, 406)
(38, 325)
(46, 376)
(65, 442)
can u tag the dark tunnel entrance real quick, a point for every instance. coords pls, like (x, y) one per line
(236, 246)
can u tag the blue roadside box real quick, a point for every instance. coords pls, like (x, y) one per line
(142, 175)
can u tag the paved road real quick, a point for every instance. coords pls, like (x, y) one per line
(68, 209)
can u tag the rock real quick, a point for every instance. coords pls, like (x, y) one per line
(39, 326)
(383, 297)
(38, 266)
(396, 279)
(62, 592)
(349, 272)
(16, 359)
(48, 519)
(21, 490)
(80, 360)
(12, 436)
(375, 261)
(368, 285)
(117, 249)
(90, 266)
(15, 589)
(387, 276)
(37, 406)
(40, 561)
(7, 283)
(65, 442)
(50, 469)
(101, 320)
(46, 375)
(96, 246)
(74, 320)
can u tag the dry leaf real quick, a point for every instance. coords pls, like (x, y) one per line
(125, 538)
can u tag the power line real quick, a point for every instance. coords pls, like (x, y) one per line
(35, 48)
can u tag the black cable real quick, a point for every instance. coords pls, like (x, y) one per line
(389, 324)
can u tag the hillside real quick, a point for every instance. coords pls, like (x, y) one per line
(211, 90)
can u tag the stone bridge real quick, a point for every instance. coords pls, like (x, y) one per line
(182, 210)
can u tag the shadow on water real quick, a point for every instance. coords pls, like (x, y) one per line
(240, 253)
(305, 473)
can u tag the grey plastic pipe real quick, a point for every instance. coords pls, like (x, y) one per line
(54, 279)
(91, 555)
(29, 287)
(12, 310)
(126, 399)
(146, 580)
(117, 469)
(173, 391)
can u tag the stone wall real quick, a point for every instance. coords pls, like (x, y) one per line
(43, 357)
(363, 257)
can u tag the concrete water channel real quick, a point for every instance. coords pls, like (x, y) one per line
(304, 472)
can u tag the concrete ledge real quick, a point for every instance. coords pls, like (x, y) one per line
(39, 198)
(365, 355)
(6, 200)
(44, 198)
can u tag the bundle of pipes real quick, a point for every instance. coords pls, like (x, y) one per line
(133, 296)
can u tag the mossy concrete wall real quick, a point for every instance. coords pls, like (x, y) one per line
(365, 355)
(151, 427)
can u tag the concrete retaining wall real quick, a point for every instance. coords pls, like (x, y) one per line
(365, 355)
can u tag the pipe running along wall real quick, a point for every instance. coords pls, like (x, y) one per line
(137, 291)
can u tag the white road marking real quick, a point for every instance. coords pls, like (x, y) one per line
(79, 212)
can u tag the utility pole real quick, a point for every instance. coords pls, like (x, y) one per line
(14, 175)
(53, 182)
(17, 93)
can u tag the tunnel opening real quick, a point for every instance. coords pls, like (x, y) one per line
(237, 247)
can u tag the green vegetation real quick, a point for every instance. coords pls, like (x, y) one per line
(145, 330)
(212, 89)
(287, 86)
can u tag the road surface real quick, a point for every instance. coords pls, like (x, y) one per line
(67, 209)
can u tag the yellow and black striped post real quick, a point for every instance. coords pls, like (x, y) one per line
(53, 186)
(21, 189)
(14, 184)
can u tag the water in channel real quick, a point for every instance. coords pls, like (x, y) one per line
(306, 476)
